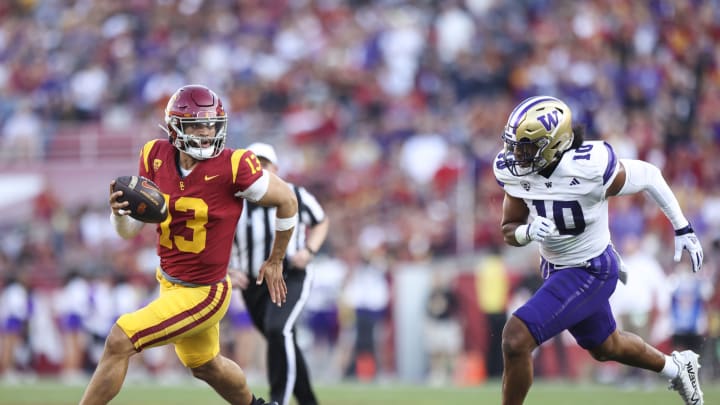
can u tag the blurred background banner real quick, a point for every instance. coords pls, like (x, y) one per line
(391, 113)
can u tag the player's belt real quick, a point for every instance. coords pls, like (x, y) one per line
(601, 265)
(567, 266)
(183, 283)
(549, 268)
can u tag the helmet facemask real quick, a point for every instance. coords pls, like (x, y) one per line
(199, 147)
(525, 156)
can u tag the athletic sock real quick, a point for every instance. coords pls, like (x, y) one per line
(671, 369)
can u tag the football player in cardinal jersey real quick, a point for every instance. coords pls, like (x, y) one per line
(556, 191)
(204, 185)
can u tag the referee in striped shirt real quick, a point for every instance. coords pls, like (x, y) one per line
(287, 371)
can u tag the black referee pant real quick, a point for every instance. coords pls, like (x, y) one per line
(287, 371)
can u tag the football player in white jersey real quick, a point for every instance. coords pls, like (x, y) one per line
(556, 190)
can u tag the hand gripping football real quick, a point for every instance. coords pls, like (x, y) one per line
(147, 203)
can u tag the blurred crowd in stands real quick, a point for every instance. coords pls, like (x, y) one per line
(390, 111)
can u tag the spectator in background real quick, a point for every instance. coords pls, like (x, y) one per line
(367, 292)
(88, 90)
(102, 313)
(73, 307)
(15, 309)
(322, 318)
(22, 136)
(442, 332)
(688, 311)
(493, 291)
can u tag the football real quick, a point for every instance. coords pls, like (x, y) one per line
(147, 203)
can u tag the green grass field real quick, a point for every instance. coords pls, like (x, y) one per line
(53, 393)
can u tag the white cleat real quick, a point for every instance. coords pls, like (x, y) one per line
(687, 383)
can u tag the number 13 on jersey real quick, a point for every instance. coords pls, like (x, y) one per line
(196, 224)
(254, 163)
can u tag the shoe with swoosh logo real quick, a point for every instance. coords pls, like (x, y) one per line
(208, 178)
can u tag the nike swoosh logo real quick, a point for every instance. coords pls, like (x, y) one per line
(208, 178)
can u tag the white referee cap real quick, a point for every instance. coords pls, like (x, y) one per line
(264, 150)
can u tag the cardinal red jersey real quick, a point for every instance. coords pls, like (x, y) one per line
(195, 240)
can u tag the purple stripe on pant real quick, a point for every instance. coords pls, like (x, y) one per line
(576, 299)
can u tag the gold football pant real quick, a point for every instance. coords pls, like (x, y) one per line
(188, 317)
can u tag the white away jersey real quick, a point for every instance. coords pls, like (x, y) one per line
(573, 197)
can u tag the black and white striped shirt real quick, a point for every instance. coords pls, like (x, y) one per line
(256, 230)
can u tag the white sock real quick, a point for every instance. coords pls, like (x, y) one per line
(671, 369)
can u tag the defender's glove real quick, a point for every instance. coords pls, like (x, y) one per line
(538, 230)
(685, 238)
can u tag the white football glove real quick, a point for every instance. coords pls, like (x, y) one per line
(541, 228)
(685, 238)
(538, 230)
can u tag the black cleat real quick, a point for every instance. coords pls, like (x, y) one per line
(260, 401)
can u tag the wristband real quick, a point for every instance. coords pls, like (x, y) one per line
(125, 225)
(283, 224)
(684, 231)
(522, 234)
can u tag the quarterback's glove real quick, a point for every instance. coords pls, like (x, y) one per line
(538, 230)
(685, 238)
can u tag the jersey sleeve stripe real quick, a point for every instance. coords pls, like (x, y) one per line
(235, 162)
(173, 327)
(146, 154)
(612, 163)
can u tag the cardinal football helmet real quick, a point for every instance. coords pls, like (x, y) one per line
(537, 133)
(192, 106)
